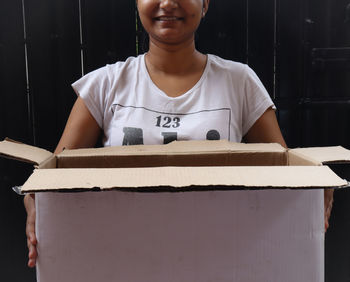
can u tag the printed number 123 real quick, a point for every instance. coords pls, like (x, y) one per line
(167, 122)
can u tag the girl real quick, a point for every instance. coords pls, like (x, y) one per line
(170, 93)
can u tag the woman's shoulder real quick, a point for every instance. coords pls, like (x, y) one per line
(111, 72)
(117, 65)
(231, 67)
(128, 64)
(226, 64)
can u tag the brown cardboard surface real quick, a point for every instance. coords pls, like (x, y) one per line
(23, 152)
(51, 162)
(297, 159)
(183, 177)
(177, 147)
(180, 153)
(168, 159)
(335, 154)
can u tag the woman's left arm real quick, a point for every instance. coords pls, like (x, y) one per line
(265, 130)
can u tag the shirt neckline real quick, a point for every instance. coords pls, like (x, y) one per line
(161, 92)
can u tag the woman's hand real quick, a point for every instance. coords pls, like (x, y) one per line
(266, 130)
(29, 204)
(328, 203)
(81, 131)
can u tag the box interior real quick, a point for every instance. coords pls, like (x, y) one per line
(181, 153)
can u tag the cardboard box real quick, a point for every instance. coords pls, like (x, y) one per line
(186, 211)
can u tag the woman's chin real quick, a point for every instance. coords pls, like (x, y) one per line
(170, 38)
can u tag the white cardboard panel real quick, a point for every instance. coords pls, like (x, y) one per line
(220, 236)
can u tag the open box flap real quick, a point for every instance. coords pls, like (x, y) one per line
(22, 152)
(325, 155)
(183, 178)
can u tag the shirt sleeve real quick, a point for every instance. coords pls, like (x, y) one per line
(93, 88)
(256, 101)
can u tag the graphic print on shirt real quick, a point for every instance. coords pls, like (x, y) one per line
(139, 125)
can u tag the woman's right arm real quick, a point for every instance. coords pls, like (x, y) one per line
(81, 131)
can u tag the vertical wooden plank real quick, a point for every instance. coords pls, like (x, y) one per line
(290, 78)
(14, 123)
(290, 48)
(325, 125)
(54, 63)
(328, 65)
(142, 39)
(261, 40)
(327, 76)
(329, 125)
(109, 31)
(274, 26)
(340, 11)
(14, 120)
(330, 21)
(223, 30)
(289, 116)
(14, 250)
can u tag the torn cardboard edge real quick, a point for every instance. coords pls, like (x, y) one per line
(179, 178)
(170, 189)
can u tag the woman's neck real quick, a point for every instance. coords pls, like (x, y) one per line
(175, 59)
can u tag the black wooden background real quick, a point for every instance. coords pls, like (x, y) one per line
(299, 48)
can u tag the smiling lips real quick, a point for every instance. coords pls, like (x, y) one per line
(167, 18)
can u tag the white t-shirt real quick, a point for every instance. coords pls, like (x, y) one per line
(131, 109)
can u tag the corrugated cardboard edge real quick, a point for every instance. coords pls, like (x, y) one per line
(22, 152)
(178, 179)
(325, 155)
